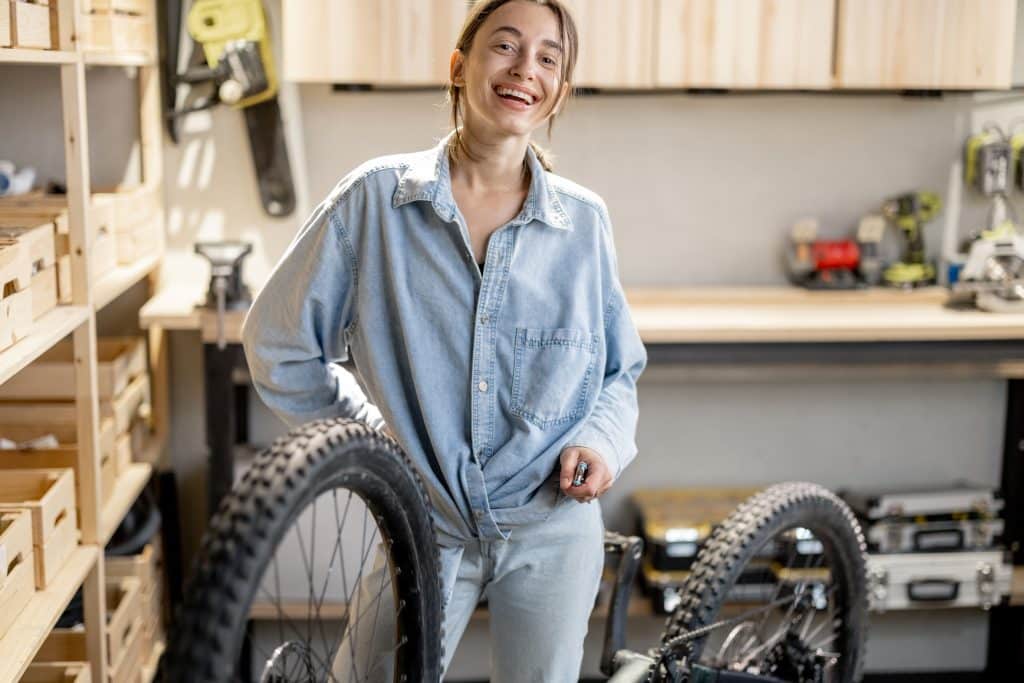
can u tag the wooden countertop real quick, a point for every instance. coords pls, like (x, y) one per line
(789, 314)
(725, 315)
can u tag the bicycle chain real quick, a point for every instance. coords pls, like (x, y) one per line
(668, 650)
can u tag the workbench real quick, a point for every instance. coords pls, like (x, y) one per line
(742, 334)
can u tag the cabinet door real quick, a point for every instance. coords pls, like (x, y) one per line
(925, 43)
(744, 43)
(616, 39)
(388, 42)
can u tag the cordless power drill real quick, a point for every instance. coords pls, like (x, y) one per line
(909, 212)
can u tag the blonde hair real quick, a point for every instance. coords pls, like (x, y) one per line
(477, 15)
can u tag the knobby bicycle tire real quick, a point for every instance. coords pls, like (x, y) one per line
(735, 543)
(251, 521)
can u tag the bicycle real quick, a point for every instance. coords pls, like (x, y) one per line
(237, 624)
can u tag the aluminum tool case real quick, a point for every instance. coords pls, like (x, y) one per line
(938, 580)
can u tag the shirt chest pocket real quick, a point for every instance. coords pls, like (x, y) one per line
(552, 374)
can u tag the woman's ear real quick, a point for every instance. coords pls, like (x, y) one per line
(564, 92)
(455, 68)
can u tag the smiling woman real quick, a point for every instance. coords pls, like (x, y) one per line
(556, 54)
(477, 293)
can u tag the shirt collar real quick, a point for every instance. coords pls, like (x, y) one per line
(428, 178)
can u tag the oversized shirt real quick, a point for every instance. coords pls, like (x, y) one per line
(482, 377)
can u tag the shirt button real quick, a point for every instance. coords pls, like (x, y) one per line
(484, 318)
(482, 386)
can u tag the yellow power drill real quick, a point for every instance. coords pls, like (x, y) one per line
(909, 212)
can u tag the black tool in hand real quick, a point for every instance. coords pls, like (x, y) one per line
(581, 473)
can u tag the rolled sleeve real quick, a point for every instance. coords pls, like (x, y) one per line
(610, 429)
(297, 328)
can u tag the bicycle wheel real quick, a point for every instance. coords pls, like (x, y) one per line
(274, 598)
(779, 590)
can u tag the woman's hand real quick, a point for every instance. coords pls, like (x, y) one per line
(598, 479)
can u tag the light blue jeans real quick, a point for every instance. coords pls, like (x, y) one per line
(540, 586)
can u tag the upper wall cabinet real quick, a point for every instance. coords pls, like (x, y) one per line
(615, 43)
(744, 43)
(388, 42)
(925, 43)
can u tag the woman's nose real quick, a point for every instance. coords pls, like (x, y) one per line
(523, 66)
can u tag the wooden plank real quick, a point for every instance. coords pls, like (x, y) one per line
(46, 332)
(744, 43)
(397, 42)
(36, 621)
(616, 43)
(925, 44)
(173, 308)
(792, 315)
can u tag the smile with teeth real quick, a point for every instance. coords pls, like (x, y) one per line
(525, 98)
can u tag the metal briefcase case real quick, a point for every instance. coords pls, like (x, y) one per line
(938, 580)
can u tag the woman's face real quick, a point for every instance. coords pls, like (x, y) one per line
(510, 80)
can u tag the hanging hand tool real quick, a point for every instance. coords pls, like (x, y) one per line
(237, 63)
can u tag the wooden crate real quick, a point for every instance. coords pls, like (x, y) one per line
(16, 295)
(38, 207)
(5, 23)
(30, 24)
(50, 496)
(137, 220)
(124, 408)
(38, 241)
(44, 292)
(119, 360)
(145, 566)
(36, 238)
(124, 617)
(63, 645)
(64, 455)
(17, 565)
(105, 31)
(58, 672)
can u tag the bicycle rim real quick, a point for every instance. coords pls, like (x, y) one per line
(778, 590)
(323, 547)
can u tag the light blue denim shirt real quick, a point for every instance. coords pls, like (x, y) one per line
(483, 377)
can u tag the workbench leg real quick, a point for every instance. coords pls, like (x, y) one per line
(1006, 624)
(221, 425)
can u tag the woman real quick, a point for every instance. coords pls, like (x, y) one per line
(478, 295)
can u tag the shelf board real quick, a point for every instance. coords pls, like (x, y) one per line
(150, 668)
(20, 644)
(14, 55)
(122, 278)
(46, 332)
(104, 58)
(127, 488)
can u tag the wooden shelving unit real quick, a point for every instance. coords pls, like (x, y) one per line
(98, 518)
(19, 645)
